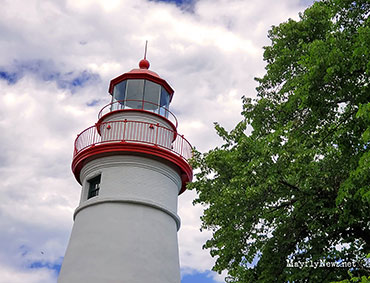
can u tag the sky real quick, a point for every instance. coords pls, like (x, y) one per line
(56, 61)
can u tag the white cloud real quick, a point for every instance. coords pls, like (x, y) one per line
(210, 57)
(40, 275)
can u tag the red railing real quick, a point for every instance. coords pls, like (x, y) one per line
(141, 105)
(133, 132)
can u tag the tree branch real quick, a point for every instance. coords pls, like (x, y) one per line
(289, 185)
(284, 204)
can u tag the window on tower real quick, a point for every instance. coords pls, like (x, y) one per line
(94, 186)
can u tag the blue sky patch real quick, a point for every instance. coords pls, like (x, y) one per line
(186, 5)
(73, 80)
(11, 77)
(177, 2)
(46, 70)
(197, 278)
(40, 264)
(93, 102)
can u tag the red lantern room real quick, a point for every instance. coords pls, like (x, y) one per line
(141, 89)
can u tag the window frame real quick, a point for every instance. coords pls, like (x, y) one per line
(93, 191)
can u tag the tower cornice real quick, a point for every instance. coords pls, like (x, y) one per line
(114, 148)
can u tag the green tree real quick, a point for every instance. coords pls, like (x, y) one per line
(296, 186)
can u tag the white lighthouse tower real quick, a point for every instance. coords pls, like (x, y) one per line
(132, 164)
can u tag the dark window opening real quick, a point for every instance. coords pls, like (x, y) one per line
(94, 186)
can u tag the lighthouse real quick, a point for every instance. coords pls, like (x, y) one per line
(131, 165)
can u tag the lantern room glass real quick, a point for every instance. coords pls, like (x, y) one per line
(118, 97)
(134, 94)
(140, 94)
(164, 102)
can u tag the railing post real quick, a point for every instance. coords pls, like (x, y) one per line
(76, 141)
(182, 144)
(156, 135)
(124, 129)
(95, 130)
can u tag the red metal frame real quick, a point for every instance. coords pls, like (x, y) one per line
(132, 137)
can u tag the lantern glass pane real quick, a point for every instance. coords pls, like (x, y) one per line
(165, 100)
(151, 96)
(134, 94)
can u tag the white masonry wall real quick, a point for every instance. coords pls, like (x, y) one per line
(128, 233)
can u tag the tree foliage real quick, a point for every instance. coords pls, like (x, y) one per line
(297, 186)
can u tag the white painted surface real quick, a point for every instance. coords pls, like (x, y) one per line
(137, 116)
(129, 232)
